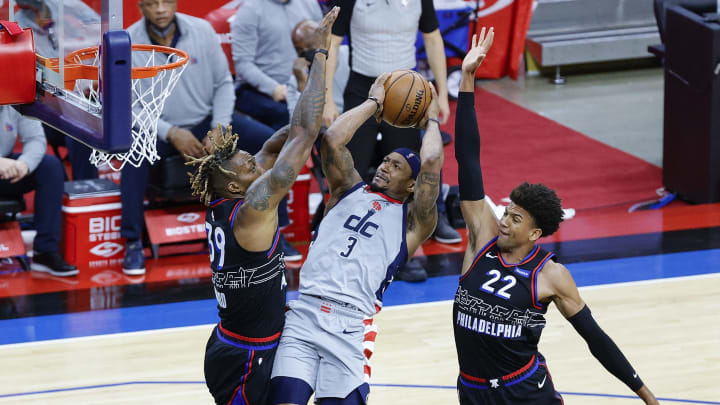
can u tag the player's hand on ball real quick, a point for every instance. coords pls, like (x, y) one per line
(323, 31)
(478, 50)
(377, 90)
(433, 110)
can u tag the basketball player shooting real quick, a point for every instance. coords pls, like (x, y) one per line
(242, 193)
(508, 282)
(367, 233)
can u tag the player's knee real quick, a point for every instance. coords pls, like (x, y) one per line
(289, 391)
(357, 397)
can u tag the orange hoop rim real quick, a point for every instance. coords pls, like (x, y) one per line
(140, 72)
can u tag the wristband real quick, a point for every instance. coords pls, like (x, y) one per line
(377, 103)
(435, 120)
(322, 51)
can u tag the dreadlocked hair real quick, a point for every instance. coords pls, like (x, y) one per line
(223, 149)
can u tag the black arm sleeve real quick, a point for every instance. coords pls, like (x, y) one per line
(428, 18)
(604, 349)
(467, 149)
(341, 27)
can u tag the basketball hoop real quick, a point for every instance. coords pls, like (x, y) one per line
(152, 82)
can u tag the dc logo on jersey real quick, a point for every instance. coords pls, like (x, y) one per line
(376, 206)
(193, 60)
(8, 128)
(362, 225)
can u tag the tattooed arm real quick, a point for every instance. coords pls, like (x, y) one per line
(337, 163)
(265, 193)
(271, 148)
(422, 213)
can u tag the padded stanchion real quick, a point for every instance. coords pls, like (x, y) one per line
(17, 62)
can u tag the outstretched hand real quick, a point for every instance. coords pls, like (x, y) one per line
(478, 50)
(377, 90)
(323, 31)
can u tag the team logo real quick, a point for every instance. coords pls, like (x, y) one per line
(377, 206)
(8, 128)
(188, 217)
(106, 249)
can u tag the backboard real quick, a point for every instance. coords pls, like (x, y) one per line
(60, 27)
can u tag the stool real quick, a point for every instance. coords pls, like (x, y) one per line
(9, 208)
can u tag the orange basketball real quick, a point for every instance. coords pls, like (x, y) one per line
(407, 98)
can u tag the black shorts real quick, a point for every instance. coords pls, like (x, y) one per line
(237, 369)
(531, 386)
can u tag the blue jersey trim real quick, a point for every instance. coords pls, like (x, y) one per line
(535, 273)
(400, 259)
(242, 346)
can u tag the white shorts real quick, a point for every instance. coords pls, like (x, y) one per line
(322, 344)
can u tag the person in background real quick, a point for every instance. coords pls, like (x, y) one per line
(31, 170)
(203, 98)
(263, 55)
(302, 36)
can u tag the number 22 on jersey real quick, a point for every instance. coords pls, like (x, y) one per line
(491, 286)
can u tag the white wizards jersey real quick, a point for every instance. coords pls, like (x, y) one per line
(358, 248)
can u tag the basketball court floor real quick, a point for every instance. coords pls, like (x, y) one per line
(650, 277)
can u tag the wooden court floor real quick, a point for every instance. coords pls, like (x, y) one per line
(669, 329)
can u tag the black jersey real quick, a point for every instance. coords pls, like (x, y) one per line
(497, 316)
(249, 286)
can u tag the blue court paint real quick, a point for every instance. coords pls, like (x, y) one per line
(442, 387)
(201, 312)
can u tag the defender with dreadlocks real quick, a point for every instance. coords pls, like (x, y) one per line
(508, 282)
(242, 193)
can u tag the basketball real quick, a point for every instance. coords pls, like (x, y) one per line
(407, 98)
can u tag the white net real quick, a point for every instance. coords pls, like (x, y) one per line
(148, 99)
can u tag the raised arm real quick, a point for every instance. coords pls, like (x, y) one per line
(337, 162)
(481, 222)
(422, 213)
(271, 148)
(556, 284)
(266, 192)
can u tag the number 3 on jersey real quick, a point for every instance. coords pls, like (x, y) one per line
(502, 292)
(352, 241)
(216, 243)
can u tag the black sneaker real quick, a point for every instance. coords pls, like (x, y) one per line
(134, 260)
(53, 263)
(444, 233)
(412, 272)
(291, 254)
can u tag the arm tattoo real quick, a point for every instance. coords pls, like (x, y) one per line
(281, 177)
(309, 110)
(427, 188)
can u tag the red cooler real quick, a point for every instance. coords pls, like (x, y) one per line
(299, 208)
(91, 223)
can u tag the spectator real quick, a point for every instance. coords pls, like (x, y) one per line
(82, 29)
(263, 54)
(382, 37)
(31, 170)
(203, 98)
(302, 40)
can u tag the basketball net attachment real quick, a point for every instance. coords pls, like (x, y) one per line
(156, 72)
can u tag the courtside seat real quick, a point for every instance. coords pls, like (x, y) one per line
(169, 181)
(597, 45)
(9, 208)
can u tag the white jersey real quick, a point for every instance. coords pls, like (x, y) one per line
(358, 248)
